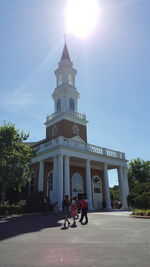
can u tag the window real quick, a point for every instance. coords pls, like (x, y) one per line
(70, 80)
(54, 131)
(97, 184)
(71, 104)
(77, 184)
(58, 105)
(75, 130)
(59, 79)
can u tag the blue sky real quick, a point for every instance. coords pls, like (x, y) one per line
(113, 65)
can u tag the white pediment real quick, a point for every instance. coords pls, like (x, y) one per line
(77, 139)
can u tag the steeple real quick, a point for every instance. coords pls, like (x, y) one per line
(65, 54)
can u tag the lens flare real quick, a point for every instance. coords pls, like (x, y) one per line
(82, 16)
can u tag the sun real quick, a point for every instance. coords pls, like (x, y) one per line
(82, 16)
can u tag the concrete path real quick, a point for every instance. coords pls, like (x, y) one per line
(110, 239)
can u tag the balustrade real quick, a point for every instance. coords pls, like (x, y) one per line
(66, 142)
(73, 114)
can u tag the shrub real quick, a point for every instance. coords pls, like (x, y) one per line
(140, 212)
(35, 203)
(15, 208)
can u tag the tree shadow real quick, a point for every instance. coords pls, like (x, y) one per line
(11, 226)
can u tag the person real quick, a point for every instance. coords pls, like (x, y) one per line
(74, 210)
(66, 206)
(84, 210)
(78, 206)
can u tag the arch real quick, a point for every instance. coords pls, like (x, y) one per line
(50, 184)
(77, 184)
(75, 130)
(59, 81)
(97, 192)
(70, 79)
(54, 131)
(58, 105)
(71, 104)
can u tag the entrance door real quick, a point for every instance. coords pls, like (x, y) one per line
(77, 184)
(97, 192)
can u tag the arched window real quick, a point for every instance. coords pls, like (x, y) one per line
(31, 182)
(50, 185)
(58, 105)
(71, 104)
(97, 192)
(70, 79)
(75, 130)
(77, 184)
(97, 184)
(54, 131)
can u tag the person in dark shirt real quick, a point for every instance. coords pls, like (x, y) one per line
(66, 209)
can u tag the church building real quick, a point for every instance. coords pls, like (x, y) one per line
(65, 163)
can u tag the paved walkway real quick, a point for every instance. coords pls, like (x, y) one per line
(110, 239)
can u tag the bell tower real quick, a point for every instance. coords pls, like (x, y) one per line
(66, 121)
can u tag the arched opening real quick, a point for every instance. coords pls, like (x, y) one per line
(71, 104)
(54, 131)
(77, 184)
(70, 79)
(58, 105)
(59, 81)
(75, 130)
(97, 192)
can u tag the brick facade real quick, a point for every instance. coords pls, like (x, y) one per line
(65, 128)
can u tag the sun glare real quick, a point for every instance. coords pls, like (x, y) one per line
(82, 16)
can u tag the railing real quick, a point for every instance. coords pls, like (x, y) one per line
(60, 114)
(67, 142)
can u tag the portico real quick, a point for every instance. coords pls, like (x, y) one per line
(67, 155)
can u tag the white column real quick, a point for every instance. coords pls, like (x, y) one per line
(41, 176)
(54, 195)
(67, 176)
(60, 182)
(126, 180)
(88, 184)
(122, 187)
(106, 185)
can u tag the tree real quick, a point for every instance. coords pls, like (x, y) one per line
(138, 172)
(15, 157)
(139, 183)
(114, 192)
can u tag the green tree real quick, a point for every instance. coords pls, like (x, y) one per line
(138, 172)
(114, 192)
(15, 156)
(139, 183)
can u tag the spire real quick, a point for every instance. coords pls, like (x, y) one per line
(65, 54)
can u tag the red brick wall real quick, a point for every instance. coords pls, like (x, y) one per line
(64, 128)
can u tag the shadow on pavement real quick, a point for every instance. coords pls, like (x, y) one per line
(11, 226)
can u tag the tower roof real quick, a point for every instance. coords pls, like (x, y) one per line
(65, 53)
